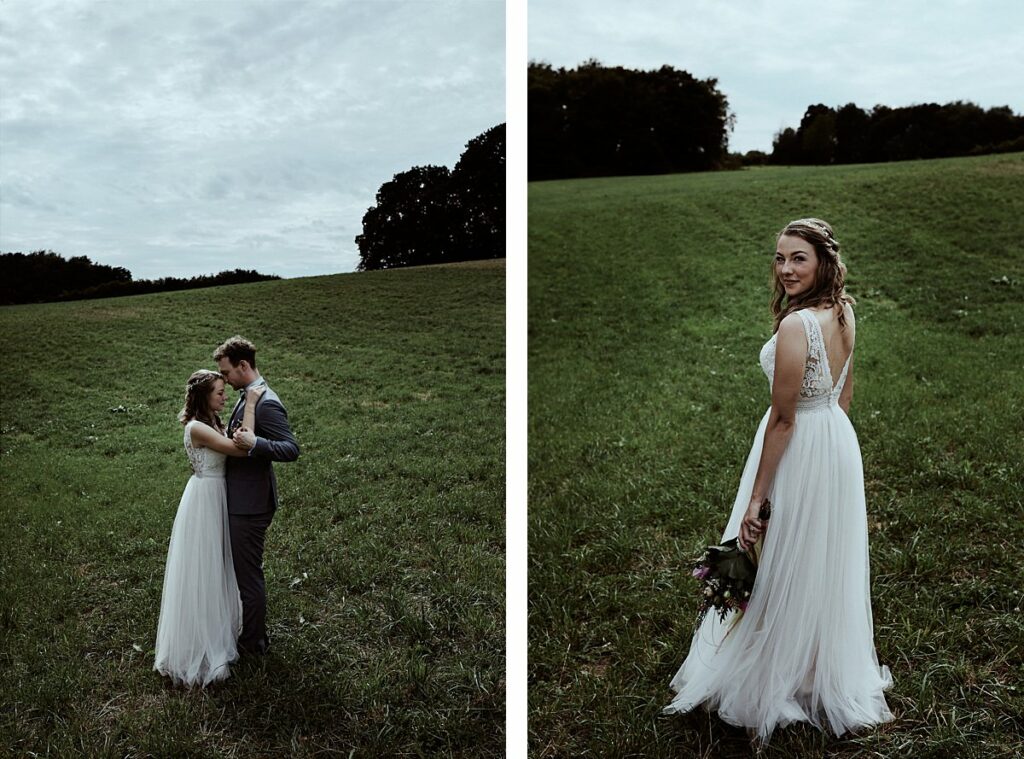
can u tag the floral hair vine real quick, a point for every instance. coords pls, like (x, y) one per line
(830, 239)
(193, 384)
(825, 231)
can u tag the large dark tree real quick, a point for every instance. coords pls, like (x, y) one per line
(412, 222)
(547, 123)
(478, 184)
(927, 130)
(596, 120)
(851, 134)
(786, 147)
(430, 215)
(817, 134)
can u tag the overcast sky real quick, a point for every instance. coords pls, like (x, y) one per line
(178, 138)
(773, 58)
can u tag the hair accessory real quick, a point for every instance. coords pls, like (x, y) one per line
(830, 238)
(200, 380)
(817, 226)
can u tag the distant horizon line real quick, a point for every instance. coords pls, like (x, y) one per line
(68, 257)
(266, 274)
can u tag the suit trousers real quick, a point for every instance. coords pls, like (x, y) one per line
(247, 535)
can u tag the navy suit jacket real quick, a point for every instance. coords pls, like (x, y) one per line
(252, 487)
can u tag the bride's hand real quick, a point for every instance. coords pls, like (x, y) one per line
(244, 438)
(254, 395)
(751, 527)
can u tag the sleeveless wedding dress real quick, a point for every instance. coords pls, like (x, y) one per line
(200, 611)
(804, 648)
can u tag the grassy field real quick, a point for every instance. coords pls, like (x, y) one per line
(648, 306)
(385, 561)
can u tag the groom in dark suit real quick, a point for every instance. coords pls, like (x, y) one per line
(252, 488)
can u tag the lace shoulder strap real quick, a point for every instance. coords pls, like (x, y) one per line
(195, 456)
(815, 338)
(816, 371)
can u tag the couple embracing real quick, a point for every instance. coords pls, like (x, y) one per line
(214, 597)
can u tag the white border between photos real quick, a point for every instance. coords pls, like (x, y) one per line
(515, 382)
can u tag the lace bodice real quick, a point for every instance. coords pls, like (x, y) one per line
(205, 462)
(817, 390)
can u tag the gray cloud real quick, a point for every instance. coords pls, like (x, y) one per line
(773, 59)
(179, 138)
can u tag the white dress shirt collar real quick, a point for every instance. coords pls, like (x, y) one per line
(255, 383)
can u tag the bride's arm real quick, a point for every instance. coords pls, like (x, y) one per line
(248, 420)
(790, 356)
(847, 394)
(249, 412)
(205, 435)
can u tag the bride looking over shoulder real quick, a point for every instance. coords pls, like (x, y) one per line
(803, 650)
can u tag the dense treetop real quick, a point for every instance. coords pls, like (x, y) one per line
(596, 120)
(430, 215)
(852, 135)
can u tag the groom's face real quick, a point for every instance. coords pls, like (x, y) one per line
(233, 375)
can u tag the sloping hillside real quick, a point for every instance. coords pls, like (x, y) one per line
(385, 562)
(648, 306)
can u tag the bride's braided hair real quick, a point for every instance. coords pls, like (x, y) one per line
(829, 287)
(197, 398)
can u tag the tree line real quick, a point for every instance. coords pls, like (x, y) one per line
(43, 276)
(596, 120)
(430, 214)
(852, 135)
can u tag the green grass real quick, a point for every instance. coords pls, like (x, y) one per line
(647, 308)
(385, 561)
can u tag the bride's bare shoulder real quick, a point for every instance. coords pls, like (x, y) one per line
(829, 315)
(202, 434)
(791, 330)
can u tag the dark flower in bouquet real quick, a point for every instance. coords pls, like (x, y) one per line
(726, 575)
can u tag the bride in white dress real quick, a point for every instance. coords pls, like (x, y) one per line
(200, 607)
(804, 648)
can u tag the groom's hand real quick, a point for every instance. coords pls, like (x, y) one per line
(244, 438)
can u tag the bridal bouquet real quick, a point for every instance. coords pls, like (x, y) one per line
(726, 575)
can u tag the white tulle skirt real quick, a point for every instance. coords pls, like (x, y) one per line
(804, 650)
(200, 610)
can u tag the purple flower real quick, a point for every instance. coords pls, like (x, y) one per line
(701, 572)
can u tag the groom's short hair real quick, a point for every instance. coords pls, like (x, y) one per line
(235, 349)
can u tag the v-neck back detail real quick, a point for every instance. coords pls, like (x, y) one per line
(817, 389)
